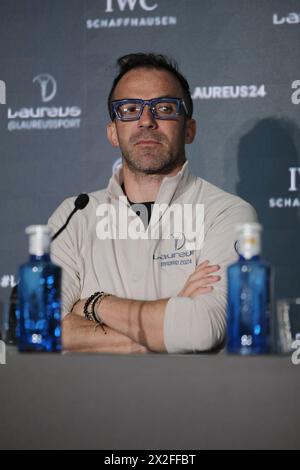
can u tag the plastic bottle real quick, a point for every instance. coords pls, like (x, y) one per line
(249, 296)
(39, 310)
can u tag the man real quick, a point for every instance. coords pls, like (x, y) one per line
(164, 297)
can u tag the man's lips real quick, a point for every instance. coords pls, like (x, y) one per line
(147, 142)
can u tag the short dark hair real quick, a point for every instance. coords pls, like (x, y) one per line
(155, 61)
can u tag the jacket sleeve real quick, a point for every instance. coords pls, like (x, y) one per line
(64, 253)
(199, 324)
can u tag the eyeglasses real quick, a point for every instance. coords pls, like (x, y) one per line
(161, 108)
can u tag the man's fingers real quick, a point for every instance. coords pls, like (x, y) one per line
(199, 281)
(204, 263)
(200, 291)
(202, 274)
(201, 286)
(209, 279)
(203, 282)
(205, 266)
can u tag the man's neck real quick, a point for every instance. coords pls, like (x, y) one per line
(141, 188)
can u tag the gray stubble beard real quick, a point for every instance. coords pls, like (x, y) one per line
(167, 164)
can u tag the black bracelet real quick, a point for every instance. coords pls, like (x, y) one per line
(95, 317)
(88, 314)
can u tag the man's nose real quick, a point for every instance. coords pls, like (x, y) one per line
(147, 119)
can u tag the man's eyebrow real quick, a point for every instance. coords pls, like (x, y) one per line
(156, 98)
(166, 96)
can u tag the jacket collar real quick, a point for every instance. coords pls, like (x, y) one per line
(172, 187)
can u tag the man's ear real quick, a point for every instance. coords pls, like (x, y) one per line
(112, 134)
(190, 131)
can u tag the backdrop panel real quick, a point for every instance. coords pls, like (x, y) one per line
(57, 58)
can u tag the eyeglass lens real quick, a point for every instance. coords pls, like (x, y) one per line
(160, 109)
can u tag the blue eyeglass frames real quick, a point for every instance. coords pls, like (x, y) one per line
(161, 108)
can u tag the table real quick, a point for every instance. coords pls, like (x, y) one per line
(149, 402)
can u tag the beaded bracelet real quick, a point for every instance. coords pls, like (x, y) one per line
(98, 300)
(92, 315)
(89, 315)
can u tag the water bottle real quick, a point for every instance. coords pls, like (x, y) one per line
(39, 289)
(249, 296)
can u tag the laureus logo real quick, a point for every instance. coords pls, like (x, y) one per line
(290, 18)
(48, 86)
(229, 92)
(146, 5)
(2, 92)
(180, 240)
(45, 117)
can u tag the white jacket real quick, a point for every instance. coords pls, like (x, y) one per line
(146, 269)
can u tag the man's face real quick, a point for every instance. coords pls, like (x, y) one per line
(151, 146)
